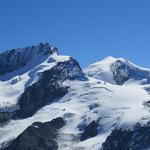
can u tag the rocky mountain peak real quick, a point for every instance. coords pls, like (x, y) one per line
(45, 48)
(14, 59)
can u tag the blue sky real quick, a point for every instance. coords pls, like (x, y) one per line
(88, 30)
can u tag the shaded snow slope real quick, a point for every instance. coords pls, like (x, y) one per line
(118, 71)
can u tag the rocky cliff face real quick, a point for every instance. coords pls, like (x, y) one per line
(38, 136)
(135, 139)
(121, 71)
(90, 130)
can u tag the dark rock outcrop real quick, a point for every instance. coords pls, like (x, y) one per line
(5, 117)
(137, 139)
(124, 70)
(48, 88)
(38, 136)
(121, 72)
(90, 131)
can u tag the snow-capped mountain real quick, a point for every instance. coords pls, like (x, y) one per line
(118, 71)
(48, 102)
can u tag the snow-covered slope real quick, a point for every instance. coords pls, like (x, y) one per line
(118, 71)
(92, 105)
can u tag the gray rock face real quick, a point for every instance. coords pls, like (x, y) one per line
(137, 139)
(38, 136)
(90, 131)
(48, 88)
(121, 72)
(124, 71)
(5, 116)
(15, 59)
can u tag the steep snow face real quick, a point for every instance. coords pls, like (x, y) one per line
(118, 71)
(101, 70)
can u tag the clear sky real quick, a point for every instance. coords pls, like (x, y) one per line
(88, 30)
